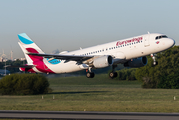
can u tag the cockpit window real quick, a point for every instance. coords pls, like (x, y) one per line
(162, 36)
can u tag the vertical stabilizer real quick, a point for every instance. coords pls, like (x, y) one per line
(28, 46)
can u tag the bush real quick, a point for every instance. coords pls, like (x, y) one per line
(127, 74)
(24, 84)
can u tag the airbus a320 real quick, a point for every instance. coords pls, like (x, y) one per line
(131, 52)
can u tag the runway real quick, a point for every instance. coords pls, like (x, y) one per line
(22, 114)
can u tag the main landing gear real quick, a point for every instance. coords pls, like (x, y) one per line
(89, 74)
(113, 74)
(154, 61)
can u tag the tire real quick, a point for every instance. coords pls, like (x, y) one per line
(154, 63)
(90, 75)
(112, 75)
(115, 74)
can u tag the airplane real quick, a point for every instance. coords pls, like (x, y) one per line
(131, 52)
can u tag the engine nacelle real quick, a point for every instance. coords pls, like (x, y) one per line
(103, 61)
(138, 62)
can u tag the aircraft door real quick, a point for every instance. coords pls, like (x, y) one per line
(146, 40)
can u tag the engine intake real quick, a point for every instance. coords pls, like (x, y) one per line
(138, 62)
(103, 61)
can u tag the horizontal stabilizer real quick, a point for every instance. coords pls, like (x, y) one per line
(19, 66)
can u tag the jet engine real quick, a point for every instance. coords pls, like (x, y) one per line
(103, 61)
(138, 62)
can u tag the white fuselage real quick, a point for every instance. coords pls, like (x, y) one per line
(120, 50)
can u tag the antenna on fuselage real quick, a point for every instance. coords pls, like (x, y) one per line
(148, 32)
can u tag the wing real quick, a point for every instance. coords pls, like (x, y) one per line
(63, 57)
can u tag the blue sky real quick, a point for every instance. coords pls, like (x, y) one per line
(71, 24)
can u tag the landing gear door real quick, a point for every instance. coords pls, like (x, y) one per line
(146, 40)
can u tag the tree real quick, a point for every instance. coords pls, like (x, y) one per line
(165, 74)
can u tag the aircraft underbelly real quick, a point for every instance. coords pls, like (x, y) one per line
(64, 67)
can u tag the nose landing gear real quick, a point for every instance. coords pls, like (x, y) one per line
(154, 60)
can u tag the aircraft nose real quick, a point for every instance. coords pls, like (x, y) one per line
(171, 42)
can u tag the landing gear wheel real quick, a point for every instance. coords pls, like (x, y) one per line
(154, 63)
(113, 74)
(90, 74)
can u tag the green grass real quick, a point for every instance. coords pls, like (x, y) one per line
(98, 94)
